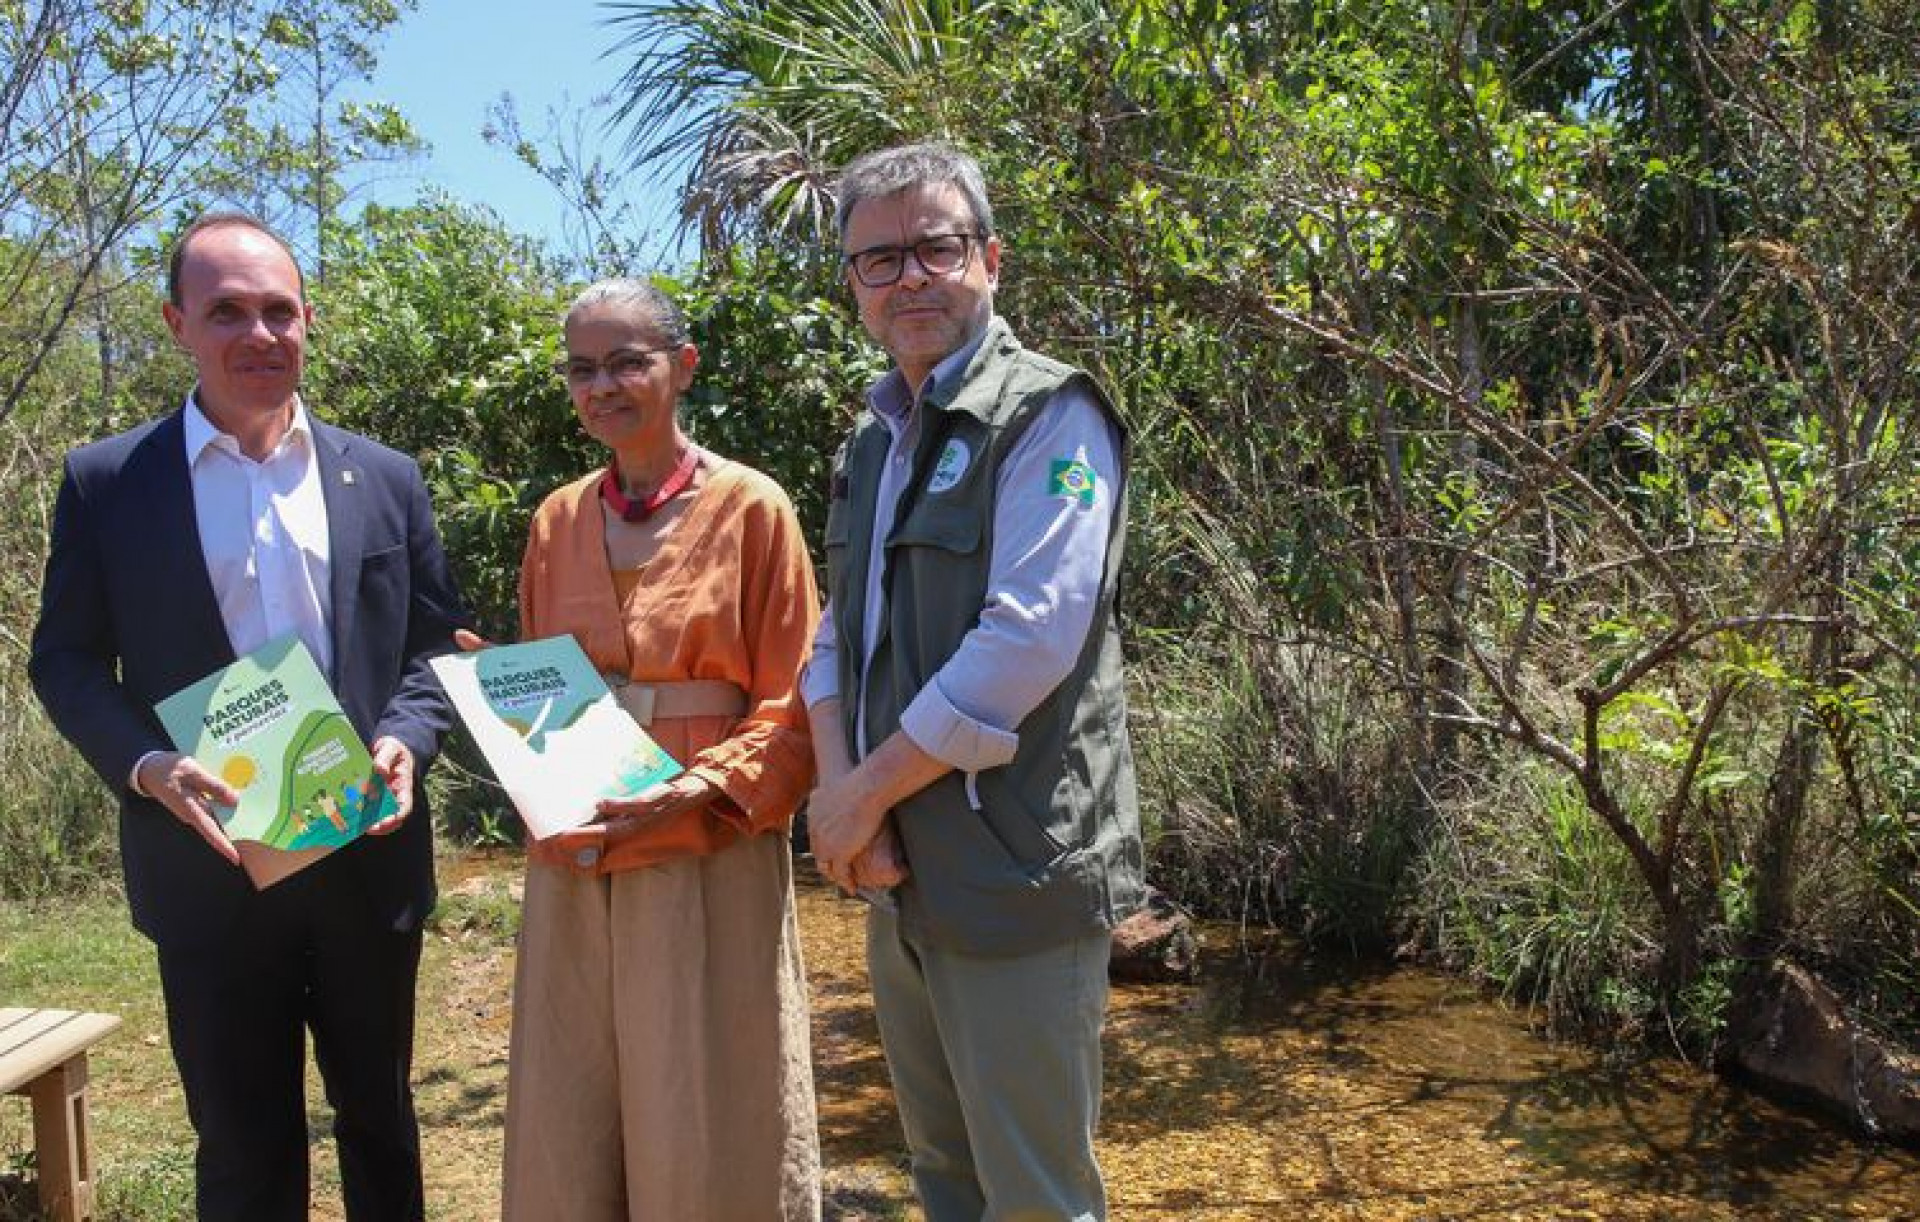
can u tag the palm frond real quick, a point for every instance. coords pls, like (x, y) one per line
(754, 104)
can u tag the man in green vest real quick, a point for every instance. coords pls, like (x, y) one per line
(967, 703)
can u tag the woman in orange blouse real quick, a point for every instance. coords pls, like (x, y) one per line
(660, 1065)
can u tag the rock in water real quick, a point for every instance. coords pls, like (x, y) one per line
(1794, 1034)
(1156, 945)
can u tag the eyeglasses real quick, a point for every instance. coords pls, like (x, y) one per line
(938, 254)
(626, 365)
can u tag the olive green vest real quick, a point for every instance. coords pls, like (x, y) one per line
(1046, 847)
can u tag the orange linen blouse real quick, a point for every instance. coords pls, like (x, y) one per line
(730, 595)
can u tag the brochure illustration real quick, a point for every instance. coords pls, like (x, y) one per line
(269, 726)
(555, 736)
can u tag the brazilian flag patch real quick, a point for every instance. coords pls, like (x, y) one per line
(1073, 479)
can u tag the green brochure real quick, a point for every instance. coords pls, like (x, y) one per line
(553, 733)
(270, 727)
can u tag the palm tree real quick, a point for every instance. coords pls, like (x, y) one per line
(756, 104)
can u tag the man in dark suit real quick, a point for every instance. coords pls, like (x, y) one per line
(177, 547)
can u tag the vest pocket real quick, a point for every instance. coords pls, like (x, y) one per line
(992, 850)
(948, 527)
(1023, 833)
(975, 889)
(839, 522)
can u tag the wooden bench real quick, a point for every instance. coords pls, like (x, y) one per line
(43, 1055)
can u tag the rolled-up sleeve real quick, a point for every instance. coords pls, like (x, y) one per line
(1054, 508)
(821, 679)
(764, 766)
(939, 727)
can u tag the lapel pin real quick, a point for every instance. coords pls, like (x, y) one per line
(346, 477)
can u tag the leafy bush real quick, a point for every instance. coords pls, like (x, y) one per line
(58, 830)
(1521, 887)
(436, 333)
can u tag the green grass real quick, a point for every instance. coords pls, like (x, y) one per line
(1269, 788)
(1532, 893)
(81, 954)
(77, 952)
(57, 822)
(488, 910)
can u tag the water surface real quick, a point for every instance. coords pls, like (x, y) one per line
(1289, 1085)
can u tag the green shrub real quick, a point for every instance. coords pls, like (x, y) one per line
(1525, 888)
(57, 821)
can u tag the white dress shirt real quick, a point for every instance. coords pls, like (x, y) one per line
(1043, 584)
(263, 534)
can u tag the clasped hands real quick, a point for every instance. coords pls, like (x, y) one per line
(853, 839)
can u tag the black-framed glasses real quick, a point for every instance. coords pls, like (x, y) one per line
(938, 254)
(623, 365)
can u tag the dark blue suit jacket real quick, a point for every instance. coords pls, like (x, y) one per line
(128, 617)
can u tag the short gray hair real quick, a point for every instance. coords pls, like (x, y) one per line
(890, 171)
(652, 307)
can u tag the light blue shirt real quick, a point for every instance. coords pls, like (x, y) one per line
(1043, 585)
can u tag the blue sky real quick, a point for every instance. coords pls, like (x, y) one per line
(446, 63)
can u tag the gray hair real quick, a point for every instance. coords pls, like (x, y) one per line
(652, 307)
(890, 171)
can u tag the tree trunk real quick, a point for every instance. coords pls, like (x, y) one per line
(1450, 652)
(1776, 855)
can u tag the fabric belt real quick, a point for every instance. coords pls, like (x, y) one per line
(647, 703)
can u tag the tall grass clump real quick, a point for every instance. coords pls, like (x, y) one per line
(1520, 886)
(1269, 784)
(57, 831)
(1861, 894)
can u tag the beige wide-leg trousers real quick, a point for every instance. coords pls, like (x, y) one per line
(659, 1065)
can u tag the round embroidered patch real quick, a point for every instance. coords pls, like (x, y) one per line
(952, 465)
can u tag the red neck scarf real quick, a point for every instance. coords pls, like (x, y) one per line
(640, 510)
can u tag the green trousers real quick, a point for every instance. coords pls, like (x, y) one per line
(996, 1072)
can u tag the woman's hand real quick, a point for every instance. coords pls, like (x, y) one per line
(683, 792)
(617, 820)
(469, 641)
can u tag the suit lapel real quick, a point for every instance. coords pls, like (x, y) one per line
(172, 531)
(343, 485)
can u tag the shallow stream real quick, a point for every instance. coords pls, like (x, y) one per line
(1288, 1085)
